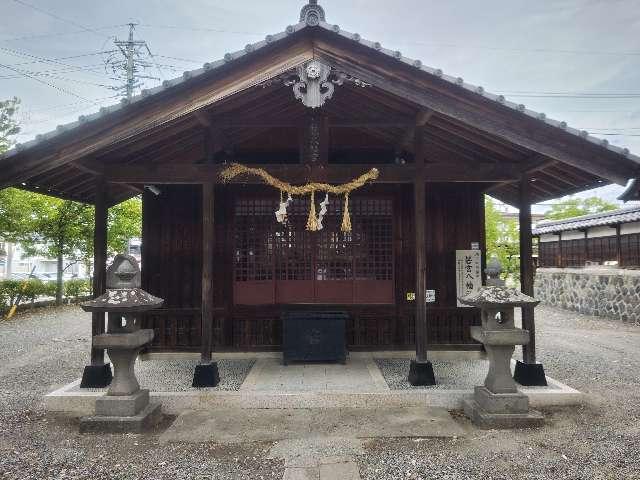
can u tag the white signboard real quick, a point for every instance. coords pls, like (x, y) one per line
(468, 273)
(430, 296)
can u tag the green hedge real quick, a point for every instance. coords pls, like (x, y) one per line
(34, 288)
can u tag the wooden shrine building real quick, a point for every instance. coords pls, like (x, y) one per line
(314, 103)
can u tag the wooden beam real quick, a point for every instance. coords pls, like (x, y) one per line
(491, 118)
(204, 118)
(160, 110)
(526, 267)
(419, 195)
(99, 264)
(208, 248)
(176, 173)
(422, 118)
(337, 123)
(479, 138)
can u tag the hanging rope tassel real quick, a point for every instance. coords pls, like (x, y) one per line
(312, 221)
(346, 218)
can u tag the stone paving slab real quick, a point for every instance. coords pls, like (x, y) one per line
(357, 374)
(229, 426)
(313, 451)
(386, 422)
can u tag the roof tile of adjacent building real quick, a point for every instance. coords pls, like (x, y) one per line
(317, 21)
(612, 217)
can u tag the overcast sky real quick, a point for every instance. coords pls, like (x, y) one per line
(575, 60)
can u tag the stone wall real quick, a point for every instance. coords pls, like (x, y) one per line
(601, 291)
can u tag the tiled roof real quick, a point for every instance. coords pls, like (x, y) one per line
(312, 22)
(613, 217)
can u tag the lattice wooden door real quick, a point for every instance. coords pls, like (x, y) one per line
(276, 263)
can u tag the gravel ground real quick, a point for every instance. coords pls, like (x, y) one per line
(41, 351)
(600, 440)
(462, 374)
(176, 375)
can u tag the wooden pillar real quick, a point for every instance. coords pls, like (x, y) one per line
(421, 257)
(208, 244)
(99, 264)
(526, 267)
(618, 246)
(560, 262)
(586, 246)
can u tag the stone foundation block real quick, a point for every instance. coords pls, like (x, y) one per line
(123, 405)
(421, 373)
(487, 420)
(530, 374)
(501, 402)
(206, 376)
(144, 420)
(96, 376)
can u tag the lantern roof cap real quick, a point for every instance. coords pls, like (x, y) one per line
(494, 296)
(123, 294)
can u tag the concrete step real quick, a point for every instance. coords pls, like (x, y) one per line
(230, 426)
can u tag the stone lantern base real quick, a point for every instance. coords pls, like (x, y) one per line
(123, 414)
(501, 410)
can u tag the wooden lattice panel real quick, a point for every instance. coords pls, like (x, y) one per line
(285, 263)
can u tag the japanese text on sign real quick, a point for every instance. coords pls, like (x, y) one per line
(468, 272)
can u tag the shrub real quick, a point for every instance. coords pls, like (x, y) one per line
(34, 288)
(76, 288)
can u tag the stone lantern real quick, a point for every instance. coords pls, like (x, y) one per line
(125, 407)
(498, 403)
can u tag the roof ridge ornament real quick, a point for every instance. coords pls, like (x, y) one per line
(312, 14)
(314, 82)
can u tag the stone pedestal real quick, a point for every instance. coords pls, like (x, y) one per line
(498, 403)
(145, 419)
(123, 350)
(421, 374)
(501, 410)
(124, 408)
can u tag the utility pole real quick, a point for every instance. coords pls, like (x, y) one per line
(128, 61)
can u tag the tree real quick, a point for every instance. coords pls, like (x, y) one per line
(575, 207)
(8, 124)
(8, 128)
(124, 223)
(63, 229)
(503, 239)
(57, 229)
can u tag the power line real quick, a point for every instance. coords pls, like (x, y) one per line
(46, 83)
(40, 59)
(598, 96)
(57, 17)
(58, 34)
(53, 71)
(200, 29)
(53, 60)
(524, 50)
(65, 105)
(57, 77)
